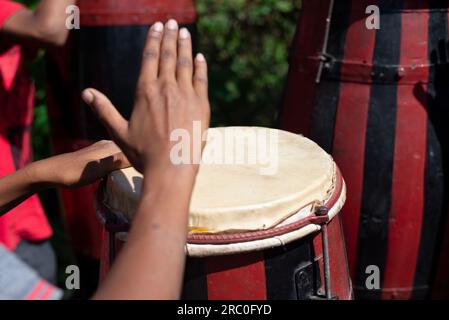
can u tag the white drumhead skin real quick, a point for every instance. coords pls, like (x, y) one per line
(287, 173)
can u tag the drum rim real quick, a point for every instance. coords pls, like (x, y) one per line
(247, 236)
(111, 223)
(207, 250)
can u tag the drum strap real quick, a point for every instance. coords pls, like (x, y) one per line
(367, 73)
(359, 72)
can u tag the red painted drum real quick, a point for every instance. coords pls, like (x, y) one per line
(379, 105)
(114, 13)
(105, 53)
(252, 234)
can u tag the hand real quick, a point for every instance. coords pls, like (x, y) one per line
(82, 167)
(69, 170)
(171, 94)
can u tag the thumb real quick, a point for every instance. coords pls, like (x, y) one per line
(107, 114)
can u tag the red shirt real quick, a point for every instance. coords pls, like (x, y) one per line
(27, 221)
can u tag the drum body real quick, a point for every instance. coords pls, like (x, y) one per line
(251, 236)
(380, 108)
(294, 271)
(105, 54)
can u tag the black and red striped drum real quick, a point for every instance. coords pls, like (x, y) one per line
(105, 54)
(377, 100)
(253, 233)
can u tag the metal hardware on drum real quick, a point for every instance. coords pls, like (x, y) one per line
(323, 211)
(323, 56)
(327, 275)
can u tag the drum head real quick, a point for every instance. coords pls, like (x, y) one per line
(279, 175)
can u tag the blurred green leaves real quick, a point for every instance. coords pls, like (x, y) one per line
(41, 130)
(246, 44)
(28, 3)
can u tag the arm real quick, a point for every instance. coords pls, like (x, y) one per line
(171, 94)
(68, 170)
(43, 26)
(151, 265)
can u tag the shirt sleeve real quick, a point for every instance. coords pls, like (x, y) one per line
(7, 8)
(20, 282)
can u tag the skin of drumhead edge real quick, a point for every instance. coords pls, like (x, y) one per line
(250, 178)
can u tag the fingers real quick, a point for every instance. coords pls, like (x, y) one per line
(200, 78)
(184, 68)
(120, 161)
(151, 53)
(107, 114)
(109, 155)
(96, 169)
(103, 148)
(168, 55)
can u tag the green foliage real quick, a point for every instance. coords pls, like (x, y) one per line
(246, 44)
(29, 3)
(41, 130)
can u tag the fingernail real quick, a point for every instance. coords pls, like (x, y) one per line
(88, 97)
(200, 57)
(158, 26)
(183, 33)
(172, 24)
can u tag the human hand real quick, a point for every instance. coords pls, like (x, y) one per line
(171, 94)
(79, 168)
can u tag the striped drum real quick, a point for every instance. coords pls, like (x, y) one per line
(380, 106)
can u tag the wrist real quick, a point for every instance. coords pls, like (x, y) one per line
(41, 175)
(171, 173)
(175, 182)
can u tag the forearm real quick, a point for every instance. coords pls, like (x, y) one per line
(44, 25)
(69, 170)
(54, 13)
(50, 17)
(151, 264)
(20, 185)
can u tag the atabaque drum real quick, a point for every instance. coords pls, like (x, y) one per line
(264, 219)
(368, 81)
(104, 53)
